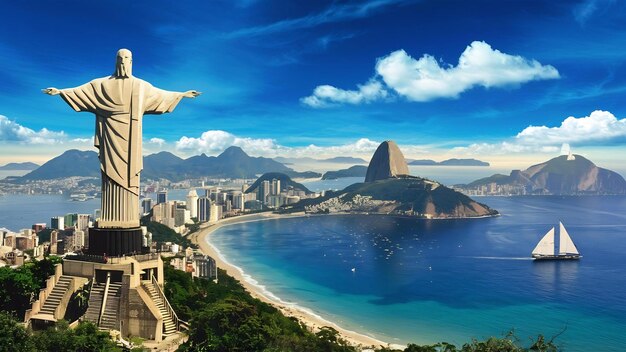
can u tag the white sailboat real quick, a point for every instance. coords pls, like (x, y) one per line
(546, 249)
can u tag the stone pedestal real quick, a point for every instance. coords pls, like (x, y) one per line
(115, 242)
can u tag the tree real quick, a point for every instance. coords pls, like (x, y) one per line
(17, 288)
(329, 340)
(84, 338)
(230, 325)
(13, 336)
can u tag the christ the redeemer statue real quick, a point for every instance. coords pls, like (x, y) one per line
(119, 102)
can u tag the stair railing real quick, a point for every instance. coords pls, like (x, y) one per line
(177, 322)
(104, 298)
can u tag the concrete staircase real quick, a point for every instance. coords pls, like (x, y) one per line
(169, 327)
(94, 305)
(110, 315)
(55, 297)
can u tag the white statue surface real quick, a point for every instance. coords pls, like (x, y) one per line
(119, 102)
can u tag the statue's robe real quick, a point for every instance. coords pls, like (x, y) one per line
(119, 105)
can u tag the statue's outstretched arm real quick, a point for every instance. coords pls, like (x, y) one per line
(51, 91)
(191, 94)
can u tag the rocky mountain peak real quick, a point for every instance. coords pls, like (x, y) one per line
(387, 162)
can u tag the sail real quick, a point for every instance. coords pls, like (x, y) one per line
(546, 245)
(566, 246)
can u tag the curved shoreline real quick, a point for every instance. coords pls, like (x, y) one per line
(305, 315)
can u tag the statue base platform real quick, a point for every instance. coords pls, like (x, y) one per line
(115, 242)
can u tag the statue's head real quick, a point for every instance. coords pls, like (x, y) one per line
(124, 64)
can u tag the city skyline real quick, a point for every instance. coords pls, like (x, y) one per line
(501, 82)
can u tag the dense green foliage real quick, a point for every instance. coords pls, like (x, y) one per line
(84, 338)
(162, 233)
(13, 336)
(224, 317)
(18, 287)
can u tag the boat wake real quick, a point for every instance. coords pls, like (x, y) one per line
(500, 258)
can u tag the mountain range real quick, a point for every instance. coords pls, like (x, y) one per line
(450, 162)
(562, 175)
(71, 163)
(232, 163)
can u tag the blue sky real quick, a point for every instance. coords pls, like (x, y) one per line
(494, 80)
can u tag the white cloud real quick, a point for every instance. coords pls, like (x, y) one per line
(326, 95)
(83, 140)
(426, 79)
(361, 146)
(157, 141)
(11, 131)
(216, 141)
(599, 127)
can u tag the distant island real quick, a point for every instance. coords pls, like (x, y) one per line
(389, 189)
(563, 175)
(19, 166)
(353, 171)
(338, 160)
(449, 162)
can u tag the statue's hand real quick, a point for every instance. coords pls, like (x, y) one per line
(51, 91)
(191, 94)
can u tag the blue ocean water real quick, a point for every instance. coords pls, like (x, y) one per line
(20, 211)
(426, 281)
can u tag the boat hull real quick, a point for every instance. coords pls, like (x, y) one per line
(557, 257)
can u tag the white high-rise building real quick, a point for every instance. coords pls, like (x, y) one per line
(192, 203)
(275, 187)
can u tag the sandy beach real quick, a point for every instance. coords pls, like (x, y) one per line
(313, 321)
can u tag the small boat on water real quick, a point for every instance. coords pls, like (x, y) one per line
(546, 249)
(80, 197)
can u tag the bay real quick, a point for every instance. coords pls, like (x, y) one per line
(20, 211)
(426, 281)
